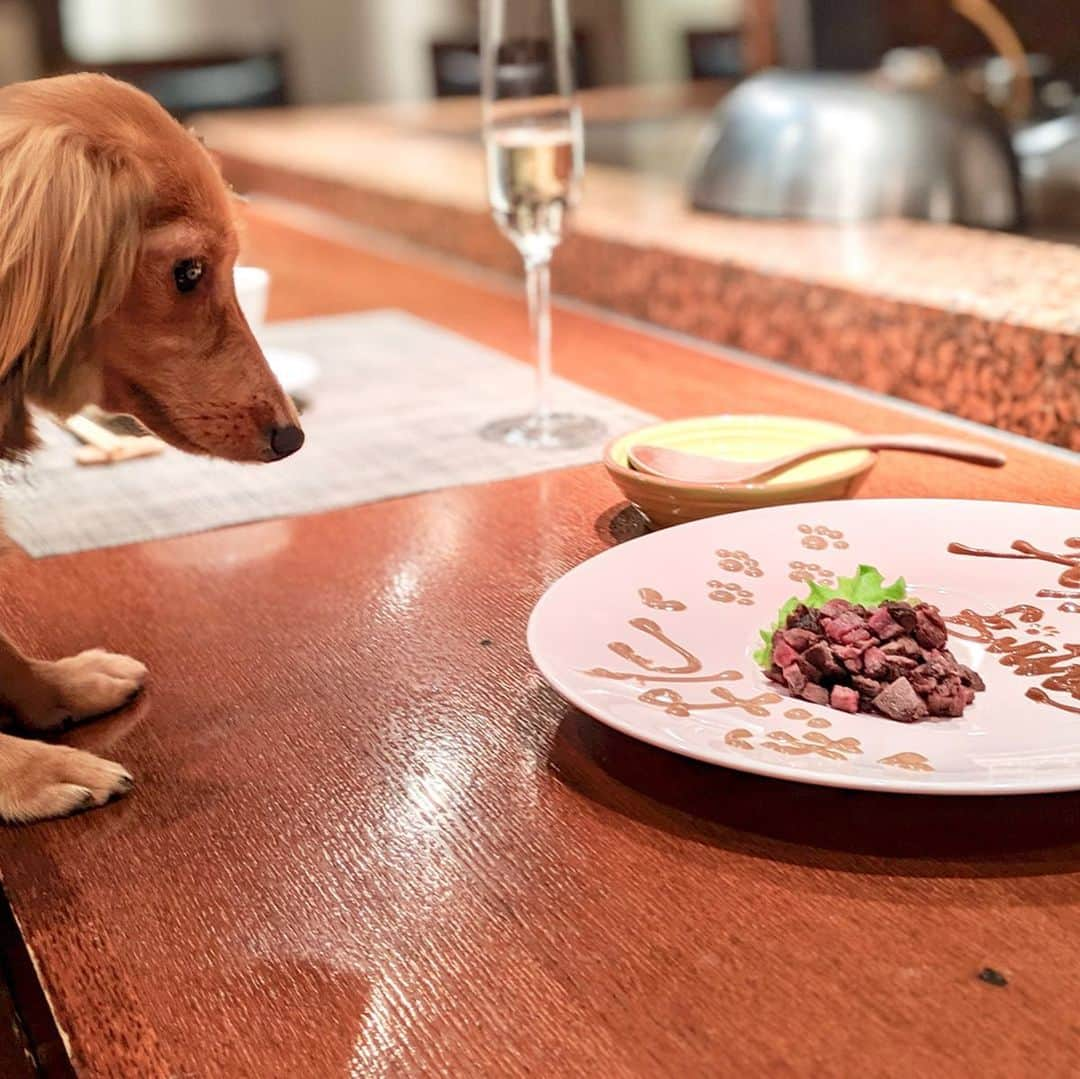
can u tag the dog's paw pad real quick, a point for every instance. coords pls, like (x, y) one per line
(57, 781)
(89, 684)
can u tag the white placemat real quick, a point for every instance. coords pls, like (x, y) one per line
(395, 411)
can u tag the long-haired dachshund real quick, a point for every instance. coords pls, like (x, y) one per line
(117, 245)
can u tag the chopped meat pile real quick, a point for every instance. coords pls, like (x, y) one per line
(892, 660)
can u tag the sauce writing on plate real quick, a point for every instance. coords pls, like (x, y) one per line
(1069, 578)
(1060, 671)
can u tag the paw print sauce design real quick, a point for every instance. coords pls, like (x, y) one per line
(730, 592)
(810, 573)
(819, 538)
(739, 562)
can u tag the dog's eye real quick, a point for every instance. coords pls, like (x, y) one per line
(187, 273)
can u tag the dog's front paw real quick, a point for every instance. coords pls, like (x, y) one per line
(38, 781)
(89, 684)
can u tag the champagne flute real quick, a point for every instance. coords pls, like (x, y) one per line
(534, 143)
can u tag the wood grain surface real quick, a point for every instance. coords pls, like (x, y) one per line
(367, 840)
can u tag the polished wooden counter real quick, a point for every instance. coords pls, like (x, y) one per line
(985, 325)
(366, 839)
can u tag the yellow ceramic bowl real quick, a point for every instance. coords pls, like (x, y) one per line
(742, 438)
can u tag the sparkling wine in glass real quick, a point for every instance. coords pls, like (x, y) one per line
(534, 143)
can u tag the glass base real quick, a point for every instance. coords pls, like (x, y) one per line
(556, 431)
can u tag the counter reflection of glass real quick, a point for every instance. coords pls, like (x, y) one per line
(534, 143)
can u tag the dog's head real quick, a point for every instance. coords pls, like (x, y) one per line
(117, 245)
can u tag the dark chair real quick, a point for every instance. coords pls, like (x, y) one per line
(455, 66)
(207, 83)
(184, 84)
(715, 54)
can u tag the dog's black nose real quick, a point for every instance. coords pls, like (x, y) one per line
(286, 440)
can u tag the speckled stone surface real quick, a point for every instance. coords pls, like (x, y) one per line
(984, 325)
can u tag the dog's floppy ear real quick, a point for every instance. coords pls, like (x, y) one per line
(69, 238)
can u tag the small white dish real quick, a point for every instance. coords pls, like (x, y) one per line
(252, 284)
(296, 371)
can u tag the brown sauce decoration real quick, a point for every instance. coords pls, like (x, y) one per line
(913, 762)
(739, 738)
(811, 572)
(1070, 576)
(1059, 670)
(690, 671)
(1025, 612)
(802, 715)
(672, 702)
(739, 562)
(820, 538)
(821, 745)
(641, 679)
(691, 664)
(1040, 696)
(731, 592)
(651, 598)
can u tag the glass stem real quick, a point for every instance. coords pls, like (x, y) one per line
(538, 285)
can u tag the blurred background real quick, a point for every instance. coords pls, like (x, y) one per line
(321, 51)
(1021, 58)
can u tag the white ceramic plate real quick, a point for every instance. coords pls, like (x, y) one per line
(655, 637)
(296, 371)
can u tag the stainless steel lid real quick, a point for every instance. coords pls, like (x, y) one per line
(839, 147)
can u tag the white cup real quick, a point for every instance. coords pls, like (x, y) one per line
(253, 293)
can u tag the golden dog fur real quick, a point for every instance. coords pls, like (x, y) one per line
(117, 243)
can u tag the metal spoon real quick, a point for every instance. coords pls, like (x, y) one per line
(695, 468)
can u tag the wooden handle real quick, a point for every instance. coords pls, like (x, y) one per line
(698, 468)
(931, 444)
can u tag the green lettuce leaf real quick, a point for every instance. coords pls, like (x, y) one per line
(867, 588)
